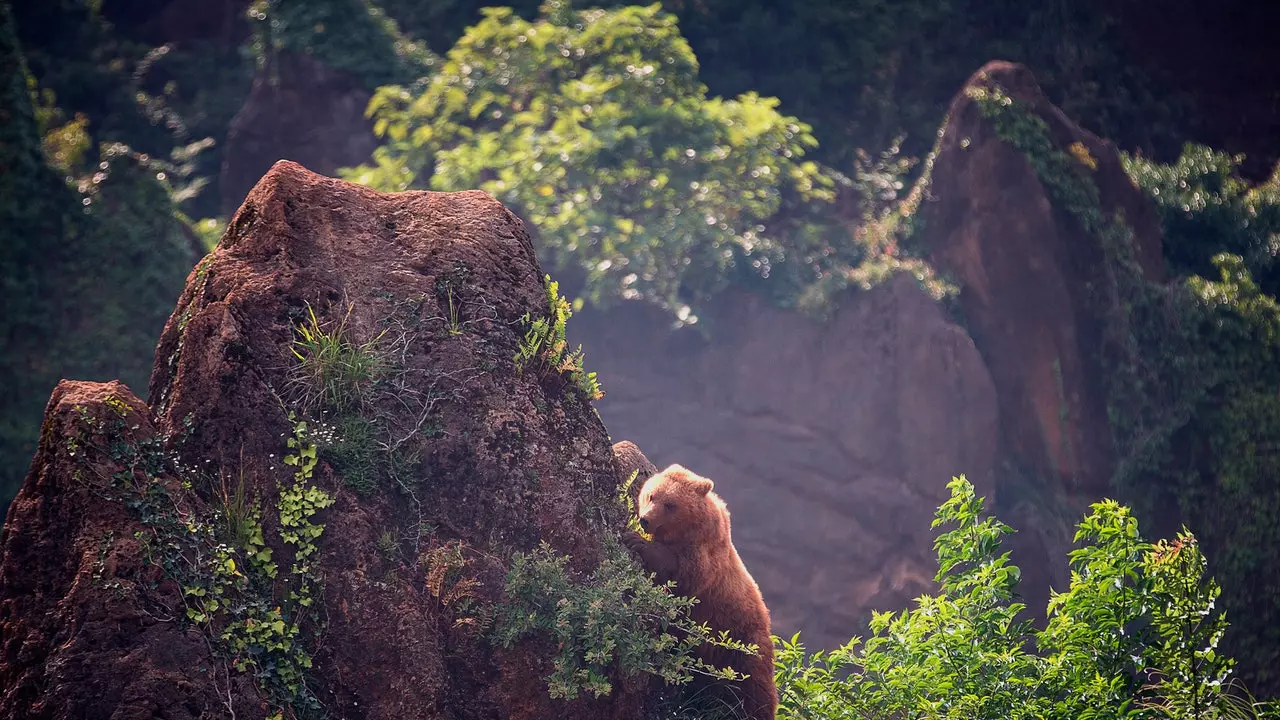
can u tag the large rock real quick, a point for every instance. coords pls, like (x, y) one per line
(1025, 269)
(300, 110)
(831, 443)
(106, 548)
(87, 624)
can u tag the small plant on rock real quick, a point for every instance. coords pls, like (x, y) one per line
(333, 371)
(545, 343)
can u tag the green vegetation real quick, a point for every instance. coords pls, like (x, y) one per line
(89, 267)
(615, 619)
(863, 72)
(332, 371)
(218, 552)
(1136, 635)
(236, 603)
(544, 343)
(666, 177)
(1206, 208)
(593, 125)
(1192, 366)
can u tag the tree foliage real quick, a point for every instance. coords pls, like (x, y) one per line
(593, 125)
(1135, 635)
(1206, 208)
(352, 36)
(1194, 405)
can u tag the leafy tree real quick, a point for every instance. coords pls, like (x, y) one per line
(594, 126)
(1134, 636)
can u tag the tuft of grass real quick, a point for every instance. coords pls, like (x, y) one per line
(239, 516)
(452, 325)
(333, 371)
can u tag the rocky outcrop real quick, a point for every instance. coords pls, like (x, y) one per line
(187, 558)
(831, 443)
(299, 110)
(1026, 268)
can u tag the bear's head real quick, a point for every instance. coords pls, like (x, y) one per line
(676, 504)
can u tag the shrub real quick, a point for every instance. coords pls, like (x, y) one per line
(1206, 208)
(1135, 635)
(614, 619)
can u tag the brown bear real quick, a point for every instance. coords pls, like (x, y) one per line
(691, 545)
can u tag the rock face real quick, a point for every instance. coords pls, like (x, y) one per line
(87, 623)
(301, 111)
(831, 444)
(111, 551)
(1024, 268)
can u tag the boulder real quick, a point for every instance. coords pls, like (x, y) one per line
(301, 110)
(831, 443)
(386, 558)
(1025, 268)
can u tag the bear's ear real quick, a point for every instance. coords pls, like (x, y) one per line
(702, 485)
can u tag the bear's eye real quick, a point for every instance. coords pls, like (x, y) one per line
(669, 505)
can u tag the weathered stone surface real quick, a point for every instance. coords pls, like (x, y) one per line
(490, 461)
(1025, 269)
(831, 444)
(87, 625)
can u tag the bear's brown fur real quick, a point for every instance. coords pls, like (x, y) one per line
(692, 546)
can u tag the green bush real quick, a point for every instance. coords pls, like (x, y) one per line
(1206, 208)
(614, 620)
(1135, 635)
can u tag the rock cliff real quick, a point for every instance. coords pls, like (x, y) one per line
(831, 443)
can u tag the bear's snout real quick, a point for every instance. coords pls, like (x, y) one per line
(644, 524)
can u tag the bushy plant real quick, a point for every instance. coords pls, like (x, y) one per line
(615, 620)
(1206, 208)
(1135, 635)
